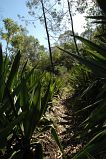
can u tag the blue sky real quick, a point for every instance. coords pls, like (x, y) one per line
(11, 8)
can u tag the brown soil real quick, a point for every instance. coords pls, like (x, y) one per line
(67, 127)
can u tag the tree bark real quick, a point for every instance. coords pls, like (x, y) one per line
(73, 34)
(48, 37)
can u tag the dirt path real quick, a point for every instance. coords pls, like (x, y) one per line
(67, 127)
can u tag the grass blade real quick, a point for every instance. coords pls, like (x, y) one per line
(14, 69)
(57, 140)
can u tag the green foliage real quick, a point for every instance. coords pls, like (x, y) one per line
(93, 122)
(11, 29)
(17, 39)
(90, 101)
(79, 75)
(24, 100)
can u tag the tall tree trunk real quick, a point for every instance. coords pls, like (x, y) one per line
(49, 45)
(72, 26)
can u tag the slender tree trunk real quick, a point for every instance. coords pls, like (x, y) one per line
(49, 45)
(72, 26)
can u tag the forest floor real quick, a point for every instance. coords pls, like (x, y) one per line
(67, 126)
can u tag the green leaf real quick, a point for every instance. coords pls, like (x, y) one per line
(36, 97)
(89, 107)
(14, 69)
(10, 125)
(33, 115)
(45, 100)
(96, 56)
(23, 69)
(10, 100)
(98, 114)
(57, 140)
(97, 144)
(89, 156)
(25, 79)
(93, 46)
(24, 96)
(2, 74)
(1, 59)
(17, 155)
(99, 70)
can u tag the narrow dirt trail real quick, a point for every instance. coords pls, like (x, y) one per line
(67, 126)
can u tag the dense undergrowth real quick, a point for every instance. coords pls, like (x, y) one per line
(90, 101)
(24, 100)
